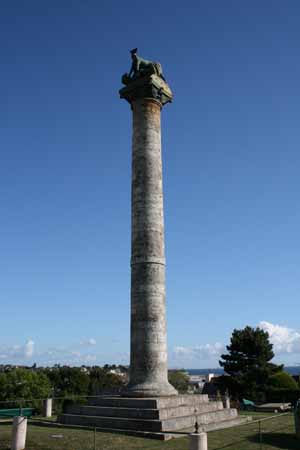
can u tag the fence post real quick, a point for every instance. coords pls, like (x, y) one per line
(297, 424)
(47, 407)
(19, 431)
(198, 441)
(297, 419)
(260, 435)
(226, 402)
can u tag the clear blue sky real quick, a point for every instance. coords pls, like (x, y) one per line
(231, 175)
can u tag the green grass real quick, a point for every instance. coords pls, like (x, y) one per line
(278, 433)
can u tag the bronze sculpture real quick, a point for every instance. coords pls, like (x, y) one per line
(141, 67)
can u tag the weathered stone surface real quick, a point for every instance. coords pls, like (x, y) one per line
(173, 424)
(47, 407)
(148, 360)
(151, 86)
(152, 416)
(145, 413)
(151, 403)
(198, 441)
(19, 432)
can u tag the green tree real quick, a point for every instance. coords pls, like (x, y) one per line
(68, 380)
(283, 380)
(179, 379)
(23, 383)
(101, 380)
(248, 362)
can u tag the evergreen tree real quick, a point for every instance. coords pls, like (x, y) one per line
(248, 363)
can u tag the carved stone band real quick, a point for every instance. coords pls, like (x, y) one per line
(142, 260)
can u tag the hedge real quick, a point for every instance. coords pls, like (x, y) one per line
(282, 395)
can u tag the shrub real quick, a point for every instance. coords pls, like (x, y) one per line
(283, 380)
(23, 383)
(179, 379)
(274, 395)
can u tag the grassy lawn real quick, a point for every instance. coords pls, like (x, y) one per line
(278, 433)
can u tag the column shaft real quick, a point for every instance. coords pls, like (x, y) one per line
(148, 363)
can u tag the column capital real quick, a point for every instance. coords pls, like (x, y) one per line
(147, 87)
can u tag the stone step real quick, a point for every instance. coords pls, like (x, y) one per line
(162, 414)
(151, 425)
(158, 435)
(181, 423)
(214, 426)
(150, 403)
(121, 423)
(182, 411)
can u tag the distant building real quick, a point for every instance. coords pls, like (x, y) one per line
(198, 382)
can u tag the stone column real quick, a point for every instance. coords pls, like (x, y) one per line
(148, 359)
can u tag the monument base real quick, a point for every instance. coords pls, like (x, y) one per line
(155, 418)
(149, 390)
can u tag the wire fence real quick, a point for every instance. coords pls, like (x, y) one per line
(36, 406)
(263, 432)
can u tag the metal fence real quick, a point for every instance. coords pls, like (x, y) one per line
(58, 403)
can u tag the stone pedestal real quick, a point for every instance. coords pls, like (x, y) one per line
(297, 425)
(148, 353)
(198, 441)
(152, 417)
(19, 431)
(47, 407)
(226, 401)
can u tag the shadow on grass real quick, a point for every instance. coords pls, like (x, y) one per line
(230, 444)
(286, 441)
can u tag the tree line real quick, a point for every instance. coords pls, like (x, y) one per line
(248, 373)
(59, 381)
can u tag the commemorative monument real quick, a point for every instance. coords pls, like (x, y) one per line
(149, 406)
(147, 92)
